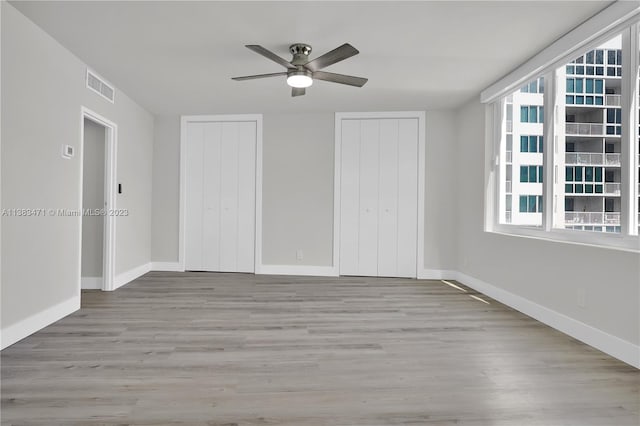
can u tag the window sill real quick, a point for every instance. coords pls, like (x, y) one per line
(583, 238)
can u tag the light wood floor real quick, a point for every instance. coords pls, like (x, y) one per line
(234, 349)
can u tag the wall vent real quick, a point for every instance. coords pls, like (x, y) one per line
(100, 86)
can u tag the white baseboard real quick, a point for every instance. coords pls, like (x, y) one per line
(127, 277)
(621, 349)
(35, 322)
(318, 271)
(437, 274)
(167, 266)
(91, 283)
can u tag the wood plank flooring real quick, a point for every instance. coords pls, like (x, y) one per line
(236, 349)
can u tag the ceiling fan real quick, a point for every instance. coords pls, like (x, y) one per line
(301, 71)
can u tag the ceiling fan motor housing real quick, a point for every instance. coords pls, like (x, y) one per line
(300, 52)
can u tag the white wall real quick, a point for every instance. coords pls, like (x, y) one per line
(298, 164)
(93, 158)
(166, 189)
(43, 88)
(546, 273)
(441, 172)
(297, 189)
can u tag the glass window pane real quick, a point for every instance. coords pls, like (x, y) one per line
(523, 169)
(590, 58)
(594, 116)
(524, 143)
(588, 174)
(589, 85)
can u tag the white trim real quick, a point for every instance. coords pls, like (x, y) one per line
(607, 343)
(617, 15)
(437, 274)
(167, 266)
(257, 118)
(318, 271)
(421, 117)
(111, 166)
(604, 240)
(91, 283)
(130, 275)
(26, 327)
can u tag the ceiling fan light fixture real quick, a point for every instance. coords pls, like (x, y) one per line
(299, 79)
(301, 71)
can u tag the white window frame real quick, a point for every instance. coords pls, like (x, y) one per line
(495, 96)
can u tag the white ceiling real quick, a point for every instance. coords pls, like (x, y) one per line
(178, 57)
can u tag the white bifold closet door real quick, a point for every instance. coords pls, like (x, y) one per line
(379, 197)
(220, 196)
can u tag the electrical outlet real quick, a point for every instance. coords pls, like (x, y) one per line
(299, 254)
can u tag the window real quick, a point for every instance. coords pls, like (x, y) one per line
(531, 114)
(525, 161)
(530, 204)
(592, 136)
(591, 151)
(531, 143)
(531, 174)
(535, 86)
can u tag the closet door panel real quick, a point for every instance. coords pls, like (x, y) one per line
(229, 198)
(246, 196)
(193, 197)
(211, 196)
(407, 197)
(350, 197)
(369, 187)
(388, 195)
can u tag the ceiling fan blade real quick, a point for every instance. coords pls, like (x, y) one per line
(270, 55)
(297, 91)
(340, 78)
(336, 55)
(251, 77)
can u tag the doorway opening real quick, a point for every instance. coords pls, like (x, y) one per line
(97, 200)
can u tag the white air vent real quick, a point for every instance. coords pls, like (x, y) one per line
(100, 86)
